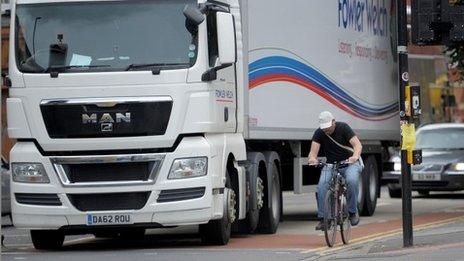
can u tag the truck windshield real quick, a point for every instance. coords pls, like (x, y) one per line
(104, 36)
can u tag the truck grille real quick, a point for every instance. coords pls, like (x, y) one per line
(133, 171)
(180, 194)
(109, 117)
(108, 170)
(109, 201)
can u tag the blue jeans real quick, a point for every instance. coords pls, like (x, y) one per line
(351, 174)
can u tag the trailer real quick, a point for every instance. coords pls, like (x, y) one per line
(144, 114)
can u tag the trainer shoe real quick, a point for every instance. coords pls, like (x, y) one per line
(320, 226)
(354, 219)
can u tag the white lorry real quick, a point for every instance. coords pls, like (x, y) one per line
(143, 114)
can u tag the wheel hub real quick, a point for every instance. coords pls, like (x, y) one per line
(231, 203)
(259, 193)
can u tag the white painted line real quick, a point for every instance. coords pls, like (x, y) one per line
(16, 253)
(7, 236)
(18, 245)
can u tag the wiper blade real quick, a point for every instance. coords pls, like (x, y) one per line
(51, 68)
(148, 65)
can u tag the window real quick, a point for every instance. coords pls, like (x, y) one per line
(213, 52)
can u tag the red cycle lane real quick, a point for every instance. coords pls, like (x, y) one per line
(362, 232)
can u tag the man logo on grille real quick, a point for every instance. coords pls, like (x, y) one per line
(106, 118)
(107, 127)
(106, 121)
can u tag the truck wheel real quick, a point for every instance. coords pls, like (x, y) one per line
(394, 193)
(370, 178)
(361, 194)
(269, 216)
(217, 232)
(256, 200)
(47, 239)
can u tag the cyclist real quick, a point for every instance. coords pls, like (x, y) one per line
(339, 143)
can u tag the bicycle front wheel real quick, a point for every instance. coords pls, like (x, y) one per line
(345, 225)
(330, 218)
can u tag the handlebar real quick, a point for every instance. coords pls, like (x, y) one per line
(337, 165)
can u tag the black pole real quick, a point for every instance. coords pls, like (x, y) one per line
(405, 119)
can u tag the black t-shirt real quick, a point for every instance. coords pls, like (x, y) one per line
(342, 134)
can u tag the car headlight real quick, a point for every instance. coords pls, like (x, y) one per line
(457, 167)
(29, 173)
(397, 166)
(188, 168)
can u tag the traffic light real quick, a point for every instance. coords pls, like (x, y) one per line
(437, 22)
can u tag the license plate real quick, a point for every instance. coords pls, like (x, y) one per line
(426, 177)
(109, 219)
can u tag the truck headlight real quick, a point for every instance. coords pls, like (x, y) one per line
(188, 168)
(29, 173)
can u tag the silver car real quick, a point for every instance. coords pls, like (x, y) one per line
(442, 167)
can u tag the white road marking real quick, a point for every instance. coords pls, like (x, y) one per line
(15, 253)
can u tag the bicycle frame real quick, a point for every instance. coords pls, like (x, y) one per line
(338, 215)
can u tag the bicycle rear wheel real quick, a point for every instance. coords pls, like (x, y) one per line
(345, 225)
(330, 218)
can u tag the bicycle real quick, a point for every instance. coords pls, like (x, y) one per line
(335, 206)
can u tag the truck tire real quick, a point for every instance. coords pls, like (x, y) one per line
(394, 193)
(47, 239)
(217, 232)
(256, 194)
(361, 194)
(270, 214)
(256, 201)
(370, 178)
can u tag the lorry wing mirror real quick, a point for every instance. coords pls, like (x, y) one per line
(226, 37)
(6, 81)
(193, 15)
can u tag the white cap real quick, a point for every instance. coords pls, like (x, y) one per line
(325, 119)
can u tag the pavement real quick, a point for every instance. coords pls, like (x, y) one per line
(436, 242)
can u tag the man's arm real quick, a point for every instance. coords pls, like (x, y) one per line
(357, 149)
(312, 157)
